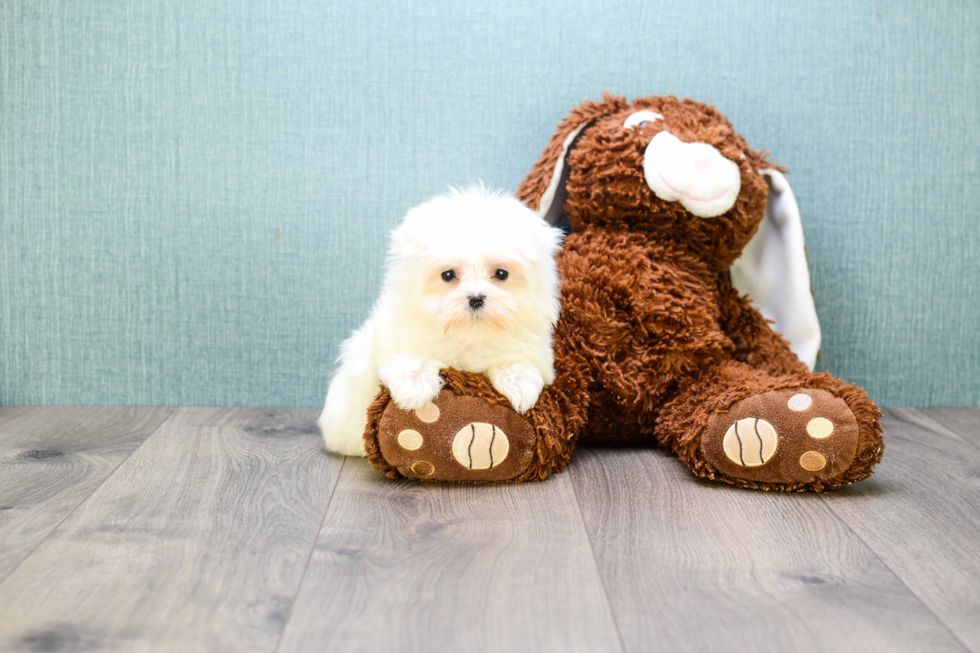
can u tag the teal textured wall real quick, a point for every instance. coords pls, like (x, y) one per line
(195, 195)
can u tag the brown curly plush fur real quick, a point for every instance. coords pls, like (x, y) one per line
(653, 340)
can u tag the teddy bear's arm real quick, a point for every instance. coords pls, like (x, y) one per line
(756, 344)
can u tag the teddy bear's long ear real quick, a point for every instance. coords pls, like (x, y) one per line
(553, 198)
(773, 272)
(543, 190)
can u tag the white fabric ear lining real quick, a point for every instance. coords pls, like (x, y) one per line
(548, 197)
(772, 271)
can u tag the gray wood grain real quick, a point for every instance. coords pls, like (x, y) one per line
(413, 567)
(920, 513)
(128, 530)
(692, 565)
(197, 542)
(52, 459)
(965, 422)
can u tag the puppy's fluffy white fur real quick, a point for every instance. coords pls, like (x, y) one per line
(422, 323)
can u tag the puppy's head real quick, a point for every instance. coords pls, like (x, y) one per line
(477, 262)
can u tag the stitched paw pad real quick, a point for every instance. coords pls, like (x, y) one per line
(456, 438)
(783, 436)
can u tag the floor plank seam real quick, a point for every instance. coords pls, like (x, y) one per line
(173, 411)
(306, 567)
(829, 503)
(595, 560)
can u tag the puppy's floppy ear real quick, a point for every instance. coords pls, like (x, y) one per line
(773, 272)
(405, 242)
(543, 190)
(543, 241)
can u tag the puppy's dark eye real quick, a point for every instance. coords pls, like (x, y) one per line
(448, 275)
(501, 274)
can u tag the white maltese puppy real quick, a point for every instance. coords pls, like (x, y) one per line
(471, 284)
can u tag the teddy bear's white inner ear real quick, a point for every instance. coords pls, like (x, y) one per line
(550, 204)
(772, 271)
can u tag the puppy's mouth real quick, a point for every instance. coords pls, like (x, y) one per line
(483, 313)
(477, 308)
(475, 313)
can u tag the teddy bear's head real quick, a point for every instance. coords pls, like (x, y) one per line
(673, 168)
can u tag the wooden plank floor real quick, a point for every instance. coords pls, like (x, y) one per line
(156, 529)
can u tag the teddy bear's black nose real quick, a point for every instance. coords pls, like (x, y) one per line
(476, 301)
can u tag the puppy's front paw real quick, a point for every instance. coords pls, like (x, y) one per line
(413, 389)
(520, 383)
(413, 381)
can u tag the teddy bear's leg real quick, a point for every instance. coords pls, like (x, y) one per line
(802, 432)
(471, 434)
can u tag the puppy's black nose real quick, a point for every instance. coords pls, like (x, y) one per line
(476, 301)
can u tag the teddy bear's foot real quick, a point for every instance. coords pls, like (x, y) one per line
(790, 436)
(456, 438)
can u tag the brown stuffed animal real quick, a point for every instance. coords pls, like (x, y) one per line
(654, 344)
